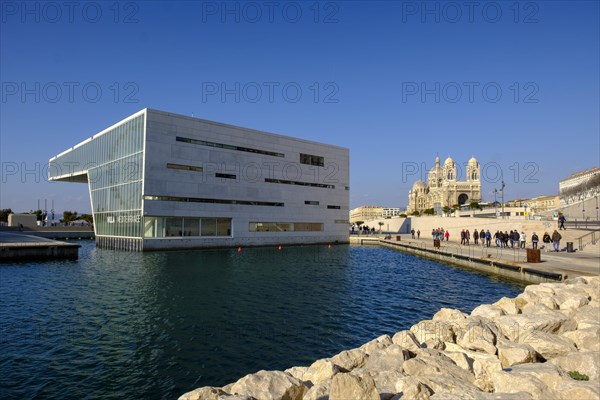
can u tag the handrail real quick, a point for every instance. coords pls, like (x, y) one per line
(593, 234)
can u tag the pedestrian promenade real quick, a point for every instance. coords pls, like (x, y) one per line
(568, 264)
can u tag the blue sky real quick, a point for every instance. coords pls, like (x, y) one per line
(515, 84)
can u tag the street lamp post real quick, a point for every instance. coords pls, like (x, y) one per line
(502, 196)
(495, 203)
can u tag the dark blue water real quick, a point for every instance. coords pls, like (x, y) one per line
(155, 325)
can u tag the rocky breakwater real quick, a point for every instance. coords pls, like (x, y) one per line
(543, 344)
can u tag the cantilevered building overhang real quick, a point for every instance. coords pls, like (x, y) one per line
(164, 181)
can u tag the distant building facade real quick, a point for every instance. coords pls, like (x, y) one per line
(579, 186)
(389, 212)
(366, 213)
(443, 189)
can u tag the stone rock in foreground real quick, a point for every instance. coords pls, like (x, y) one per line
(270, 385)
(348, 386)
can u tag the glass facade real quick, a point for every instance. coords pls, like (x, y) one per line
(114, 165)
(285, 227)
(160, 227)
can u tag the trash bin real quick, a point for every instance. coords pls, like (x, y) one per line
(570, 247)
(436, 243)
(397, 238)
(533, 256)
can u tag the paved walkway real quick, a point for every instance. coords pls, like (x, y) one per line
(568, 264)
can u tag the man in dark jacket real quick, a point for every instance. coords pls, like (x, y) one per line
(556, 239)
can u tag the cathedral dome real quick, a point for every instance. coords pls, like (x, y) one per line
(449, 161)
(419, 184)
(473, 161)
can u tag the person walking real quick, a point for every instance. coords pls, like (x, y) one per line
(418, 233)
(462, 237)
(488, 238)
(534, 240)
(482, 237)
(522, 240)
(447, 235)
(476, 237)
(505, 238)
(561, 222)
(497, 238)
(442, 234)
(556, 240)
(467, 236)
(412, 232)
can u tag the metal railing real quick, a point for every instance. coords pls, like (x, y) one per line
(588, 238)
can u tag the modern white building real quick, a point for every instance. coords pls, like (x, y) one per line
(159, 180)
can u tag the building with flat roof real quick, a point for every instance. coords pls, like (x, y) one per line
(159, 180)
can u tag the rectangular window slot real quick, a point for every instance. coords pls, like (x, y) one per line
(214, 201)
(226, 176)
(311, 203)
(228, 146)
(285, 182)
(184, 167)
(310, 159)
(334, 207)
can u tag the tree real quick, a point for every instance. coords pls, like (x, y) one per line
(359, 223)
(429, 211)
(4, 214)
(416, 213)
(402, 215)
(380, 225)
(446, 209)
(87, 218)
(475, 205)
(69, 216)
(38, 214)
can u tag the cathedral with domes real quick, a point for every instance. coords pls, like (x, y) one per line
(443, 188)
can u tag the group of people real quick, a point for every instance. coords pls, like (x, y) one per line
(514, 238)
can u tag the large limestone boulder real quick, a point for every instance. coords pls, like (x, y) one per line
(297, 372)
(461, 359)
(350, 359)
(408, 340)
(411, 388)
(547, 344)
(203, 393)
(510, 306)
(449, 314)
(433, 330)
(389, 359)
(511, 353)
(483, 365)
(579, 390)
(376, 344)
(585, 362)
(349, 386)
(270, 385)
(434, 362)
(514, 326)
(585, 339)
(319, 371)
(549, 374)
(488, 311)
(508, 381)
(587, 317)
(538, 295)
(479, 338)
(320, 391)
(449, 385)
(385, 381)
(571, 296)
